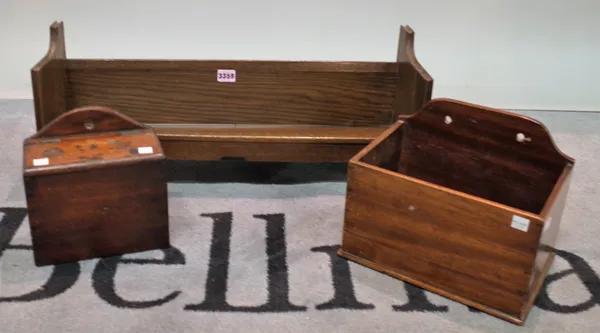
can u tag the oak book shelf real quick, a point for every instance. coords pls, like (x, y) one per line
(275, 111)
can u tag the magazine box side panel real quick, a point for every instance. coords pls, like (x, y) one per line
(451, 244)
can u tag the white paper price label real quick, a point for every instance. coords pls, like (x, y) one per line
(145, 150)
(520, 223)
(41, 161)
(226, 75)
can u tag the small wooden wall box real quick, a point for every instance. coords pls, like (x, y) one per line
(462, 200)
(95, 187)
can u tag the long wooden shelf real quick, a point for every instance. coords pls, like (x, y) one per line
(315, 106)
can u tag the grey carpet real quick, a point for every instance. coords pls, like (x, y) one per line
(310, 289)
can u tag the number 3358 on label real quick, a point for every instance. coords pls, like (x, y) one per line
(226, 75)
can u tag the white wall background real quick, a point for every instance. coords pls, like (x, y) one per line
(512, 54)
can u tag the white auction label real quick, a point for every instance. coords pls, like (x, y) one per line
(520, 223)
(226, 75)
(40, 161)
(145, 150)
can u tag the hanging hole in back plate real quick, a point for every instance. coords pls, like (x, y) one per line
(448, 120)
(89, 125)
(522, 138)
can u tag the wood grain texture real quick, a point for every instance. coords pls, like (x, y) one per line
(97, 195)
(262, 94)
(413, 88)
(100, 213)
(385, 150)
(480, 154)
(432, 202)
(88, 120)
(333, 94)
(260, 151)
(291, 133)
(90, 152)
(110, 138)
(435, 235)
(264, 143)
(48, 78)
(491, 128)
(552, 216)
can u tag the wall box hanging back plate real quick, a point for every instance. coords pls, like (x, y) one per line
(272, 111)
(458, 200)
(95, 187)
